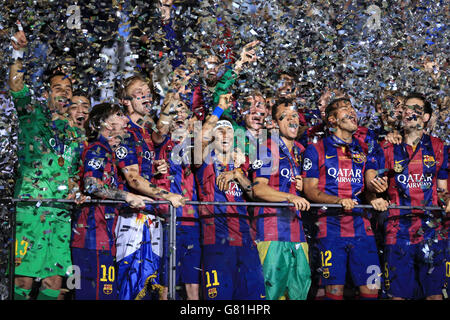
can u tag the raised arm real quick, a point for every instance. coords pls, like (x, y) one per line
(210, 123)
(19, 43)
(163, 123)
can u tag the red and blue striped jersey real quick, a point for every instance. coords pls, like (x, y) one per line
(366, 137)
(93, 226)
(137, 148)
(180, 179)
(278, 223)
(416, 185)
(222, 224)
(340, 172)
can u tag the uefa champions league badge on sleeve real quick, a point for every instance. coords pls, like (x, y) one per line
(121, 152)
(307, 164)
(257, 164)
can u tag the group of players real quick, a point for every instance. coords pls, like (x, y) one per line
(183, 153)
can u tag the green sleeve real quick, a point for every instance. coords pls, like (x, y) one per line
(227, 80)
(21, 100)
(222, 87)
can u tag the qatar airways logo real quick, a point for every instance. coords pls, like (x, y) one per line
(287, 173)
(234, 190)
(346, 175)
(416, 180)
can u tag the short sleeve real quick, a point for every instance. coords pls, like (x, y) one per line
(126, 153)
(310, 163)
(443, 170)
(264, 164)
(94, 164)
(375, 158)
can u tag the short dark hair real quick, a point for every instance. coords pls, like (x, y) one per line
(333, 106)
(80, 93)
(426, 104)
(278, 102)
(50, 73)
(99, 113)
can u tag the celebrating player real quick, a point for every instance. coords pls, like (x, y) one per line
(93, 239)
(415, 241)
(48, 156)
(334, 170)
(173, 146)
(277, 177)
(231, 266)
(139, 236)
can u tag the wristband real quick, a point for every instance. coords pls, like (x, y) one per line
(217, 112)
(16, 54)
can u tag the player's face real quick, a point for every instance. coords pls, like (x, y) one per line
(114, 127)
(288, 121)
(392, 109)
(223, 139)
(59, 94)
(254, 119)
(325, 98)
(78, 111)
(211, 69)
(413, 116)
(180, 118)
(286, 86)
(181, 79)
(346, 117)
(141, 97)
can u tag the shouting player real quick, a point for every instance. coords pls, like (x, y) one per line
(415, 240)
(282, 245)
(49, 149)
(334, 170)
(231, 267)
(173, 145)
(139, 236)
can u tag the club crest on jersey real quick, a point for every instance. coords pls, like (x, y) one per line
(121, 152)
(326, 273)
(107, 289)
(428, 161)
(212, 293)
(359, 157)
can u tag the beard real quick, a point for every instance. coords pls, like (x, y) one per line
(211, 80)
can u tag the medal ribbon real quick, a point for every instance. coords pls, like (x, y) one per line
(285, 150)
(406, 155)
(353, 147)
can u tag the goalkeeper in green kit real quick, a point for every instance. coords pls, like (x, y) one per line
(49, 150)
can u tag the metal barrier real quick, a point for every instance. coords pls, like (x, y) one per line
(172, 225)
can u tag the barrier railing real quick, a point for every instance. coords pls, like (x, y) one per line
(172, 219)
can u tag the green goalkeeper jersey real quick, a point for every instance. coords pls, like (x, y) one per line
(49, 153)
